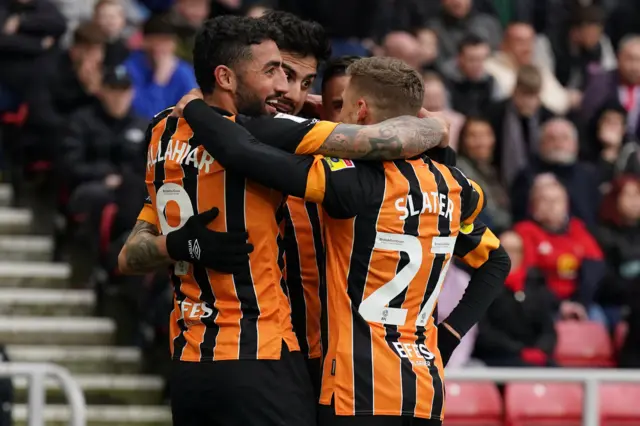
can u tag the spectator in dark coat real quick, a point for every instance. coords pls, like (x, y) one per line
(558, 154)
(619, 237)
(29, 29)
(516, 123)
(518, 330)
(110, 17)
(471, 89)
(622, 84)
(79, 72)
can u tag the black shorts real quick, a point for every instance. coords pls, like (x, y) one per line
(327, 417)
(243, 393)
(314, 366)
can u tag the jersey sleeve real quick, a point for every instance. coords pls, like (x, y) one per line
(472, 196)
(290, 133)
(475, 243)
(148, 213)
(340, 185)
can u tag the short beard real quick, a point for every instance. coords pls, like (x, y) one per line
(247, 102)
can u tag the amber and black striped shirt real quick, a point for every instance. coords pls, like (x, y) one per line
(216, 316)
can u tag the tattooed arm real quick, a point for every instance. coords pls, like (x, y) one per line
(145, 250)
(400, 137)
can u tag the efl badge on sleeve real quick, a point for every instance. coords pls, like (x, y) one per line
(336, 164)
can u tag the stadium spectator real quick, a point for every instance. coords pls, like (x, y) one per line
(29, 29)
(475, 159)
(558, 154)
(574, 53)
(518, 330)
(619, 237)
(109, 16)
(435, 99)
(516, 51)
(420, 54)
(608, 145)
(189, 15)
(159, 77)
(458, 18)
(471, 89)
(622, 84)
(516, 123)
(79, 73)
(563, 249)
(104, 156)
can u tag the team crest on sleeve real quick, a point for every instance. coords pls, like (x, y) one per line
(466, 229)
(336, 164)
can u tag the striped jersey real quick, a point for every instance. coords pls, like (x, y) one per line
(217, 316)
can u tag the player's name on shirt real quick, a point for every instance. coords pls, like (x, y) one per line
(180, 152)
(432, 203)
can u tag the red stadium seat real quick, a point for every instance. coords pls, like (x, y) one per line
(620, 404)
(620, 335)
(583, 344)
(472, 404)
(543, 404)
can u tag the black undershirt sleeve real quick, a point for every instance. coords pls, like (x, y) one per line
(486, 284)
(237, 150)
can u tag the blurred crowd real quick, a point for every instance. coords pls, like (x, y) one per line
(543, 97)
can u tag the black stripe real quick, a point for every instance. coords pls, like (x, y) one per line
(235, 188)
(364, 239)
(294, 283)
(190, 183)
(411, 227)
(316, 227)
(179, 342)
(444, 231)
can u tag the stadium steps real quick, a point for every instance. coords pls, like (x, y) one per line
(102, 389)
(25, 247)
(43, 320)
(81, 359)
(106, 415)
(46, 302)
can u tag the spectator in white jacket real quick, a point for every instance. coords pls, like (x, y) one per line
(517, 50)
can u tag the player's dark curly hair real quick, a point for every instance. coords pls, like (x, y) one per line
(226, 40)
(302, 38)
(337, 67)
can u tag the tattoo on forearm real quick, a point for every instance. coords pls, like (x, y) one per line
(142, 253)
(400, 137)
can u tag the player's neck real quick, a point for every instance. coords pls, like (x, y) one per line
(221, 100)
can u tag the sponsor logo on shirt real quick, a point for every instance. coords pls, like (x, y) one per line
(336, 164)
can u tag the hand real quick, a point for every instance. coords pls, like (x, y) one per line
(193, 94)
(312, 107)
(226, 252)
(575, 98)
(90, 76)
(611, 135)
(47, 42)
(165, 65)
(424, 113)
(11, 25)
(573, 310)
(534, 356)
(113, 181)
(447, 342)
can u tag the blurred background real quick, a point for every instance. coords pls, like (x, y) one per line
(544, 101)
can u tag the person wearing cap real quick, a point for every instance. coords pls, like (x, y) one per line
(159, 77)
(103, 151)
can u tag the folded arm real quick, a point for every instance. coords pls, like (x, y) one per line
(145, 250)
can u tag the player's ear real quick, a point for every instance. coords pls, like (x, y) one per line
(225, 78)
(363, 111)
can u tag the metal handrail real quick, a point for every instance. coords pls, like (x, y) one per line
(37, 374)
(590, 378)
